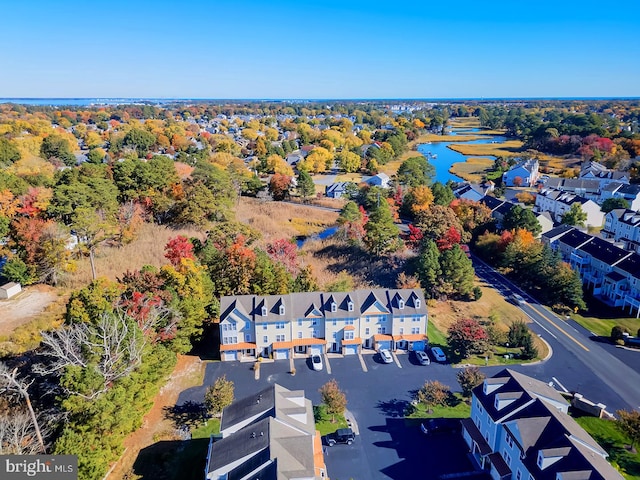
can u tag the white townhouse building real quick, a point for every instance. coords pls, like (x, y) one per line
(318, 322)
(597, 171)
(557, 203)
(519, 429)
(623, 225)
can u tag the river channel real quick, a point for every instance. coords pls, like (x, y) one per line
(442, 157)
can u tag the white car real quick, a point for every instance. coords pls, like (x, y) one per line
(316, 361)
(385, 355)
(438, 354)
(517, 299)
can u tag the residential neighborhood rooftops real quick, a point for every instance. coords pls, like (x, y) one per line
(604, 251)
(575, 238)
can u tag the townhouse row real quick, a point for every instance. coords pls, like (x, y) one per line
(611, 272)
(279, 326)
(519, 429)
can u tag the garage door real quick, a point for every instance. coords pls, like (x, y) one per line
(384, 344)
(281, 354)
(229, 356)
(315, 350)
(350, 349)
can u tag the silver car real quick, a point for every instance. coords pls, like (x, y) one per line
(422, 357)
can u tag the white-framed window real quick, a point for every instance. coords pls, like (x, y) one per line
(335, 335)
(280, 338)
(264, 311)
(507, 457)
(247, 337)
(478, 422)
(281, 310)
(509, 439)
(265, 326)
(348, 321)
(518, 475)
(314, 322)
(299, 322)
(299, 334)
(225, 327)
(350, 306)
(335, 322)
(366, 331)
(315, 334)
(348, 335)
(401, 319)
(540, 459)
(234, 339)
(417, 303)
(401, 304)
(382, 330)
(531, 477)
(334, 307)
(367, 319)
(416, 319)
(401, 331)
(265, 339)
(415, 330)
(280, 326)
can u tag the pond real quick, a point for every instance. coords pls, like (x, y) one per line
(442, 157)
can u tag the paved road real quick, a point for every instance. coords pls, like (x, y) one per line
(579, 363)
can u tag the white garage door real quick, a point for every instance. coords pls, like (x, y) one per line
(281, 354)
(229, 356)
(350, 349)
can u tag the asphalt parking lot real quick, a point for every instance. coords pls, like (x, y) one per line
(388, 445)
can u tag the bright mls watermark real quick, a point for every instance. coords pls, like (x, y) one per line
(49, 467)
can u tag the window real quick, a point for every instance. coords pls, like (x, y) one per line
(281, 310)
(348, 335)
(402, 331)
(314, 322)
(401, 319)
(477, 421)
(401, 304)
(315, 334)
(507, 457)
(540, 460)
(280, 326)
(335, 335)
(415, 330)
(368, 319)
(366, 331)
(335, 322)
(518, 475)
(350, 306)
(247, 337)
(416, 319)
(264, 326)
(334, 307)
(299, 334)
(234, 339)
(381, 330)
(280, 338)
(225, 327)
(348, 321)
(417, 303)
(264, 311)
(509, 439)
(299, 322)
(265, 339)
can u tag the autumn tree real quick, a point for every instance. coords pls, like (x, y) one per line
(140, 140)
(177, 249)
(469, 378)
(629, 424)
(219, 395)
(348, 161)
(57, 147)
(574, 216)
(279, 186)
(9, 153)
(417, 201)
(450, 238)
(467, 337)
(433, 394)
(333, 398)
(437, 220)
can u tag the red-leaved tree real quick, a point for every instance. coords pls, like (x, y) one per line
(466, 336)
(177, 249)
(450, 238)
(285, 252)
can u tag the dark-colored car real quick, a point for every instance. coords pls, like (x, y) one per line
(436, 426)
(342, 435)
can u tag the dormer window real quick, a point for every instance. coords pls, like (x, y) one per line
(350, 306)
(417, 303)
(281, 310)
(334, 307)
(401, 304)
(264, 311)
(540, 459)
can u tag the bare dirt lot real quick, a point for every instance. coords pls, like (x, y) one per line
(25, 306)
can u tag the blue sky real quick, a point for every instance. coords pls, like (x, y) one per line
(319, 49)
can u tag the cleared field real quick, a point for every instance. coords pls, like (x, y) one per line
(473, 169)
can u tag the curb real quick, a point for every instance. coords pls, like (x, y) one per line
(364, 365)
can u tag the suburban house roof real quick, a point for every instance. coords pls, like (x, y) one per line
(604, 251)
(631, 265)
(575, 238)
(491, 202)
(557, 232)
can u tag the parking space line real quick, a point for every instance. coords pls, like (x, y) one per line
(395, 359)
(326, 361)
(364, 365)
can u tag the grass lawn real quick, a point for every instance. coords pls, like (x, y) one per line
(614, 442)
(457, 408)
(323, 420)
(205, 431)
(603, 326)
(473, 169)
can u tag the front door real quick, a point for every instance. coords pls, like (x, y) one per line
(334, 347)
(265, 352)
